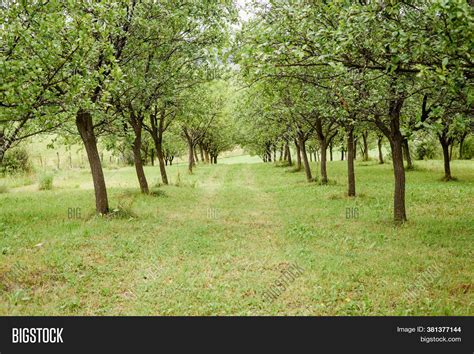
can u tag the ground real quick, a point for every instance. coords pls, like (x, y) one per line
(215, 242)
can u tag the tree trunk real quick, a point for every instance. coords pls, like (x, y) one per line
(351, 192)
(161, 160)
(268, 152)
(157, 130)
(4, 146)
(379, 145)
(281, 152)
(206, 155)
(330, 151)
(137, 157)
(196, 159)
(342, 154)
(145, 156)
(2, 152)
(461, 145)
(298, 156)
(86, 130)
(447, 165)
(324, 173)
(215, 159)
(365, 140)
(399, 174)
(393, 133)
(152, 157)
(190, 156)
(355, 148)
(201, 152)
(406, 151)
(307, 168)
(288, 154)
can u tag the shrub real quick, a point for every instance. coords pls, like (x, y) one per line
(426, 150)
(16, 160)
(468, 148)
(45, 182)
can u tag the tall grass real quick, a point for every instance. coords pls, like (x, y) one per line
(45, 181)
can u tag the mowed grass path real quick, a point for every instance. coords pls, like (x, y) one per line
(216, 242)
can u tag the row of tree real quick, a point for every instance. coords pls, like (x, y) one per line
(334, 70)
(118, 71)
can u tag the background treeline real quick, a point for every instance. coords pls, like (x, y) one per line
(354, 76)
(144, 77)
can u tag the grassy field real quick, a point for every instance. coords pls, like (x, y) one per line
(215, 241)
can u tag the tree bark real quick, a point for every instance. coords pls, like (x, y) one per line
(307, 167)
(298, 156)
(355, 148)
(447, 165)
(85, 127)
(406, 151)
(351, 191)
(399, 174)
(324, 173)
(379, 145)
(365, 140)
(330, 151)
(268, 152)
(394, 135)
(201, 152)
(190, 156)
(156, 131)
(161, 161)
(288, 154)
(152, 157)
(461, 145)
(145, 155)
(196, 159)
(137, 157)
(136, 122)
(4, 145)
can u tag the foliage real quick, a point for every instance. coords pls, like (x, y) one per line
(468, 148)
(426, 149)
(16, 160)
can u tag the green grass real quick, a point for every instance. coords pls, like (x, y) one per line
(214, 244)
(45, 182)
